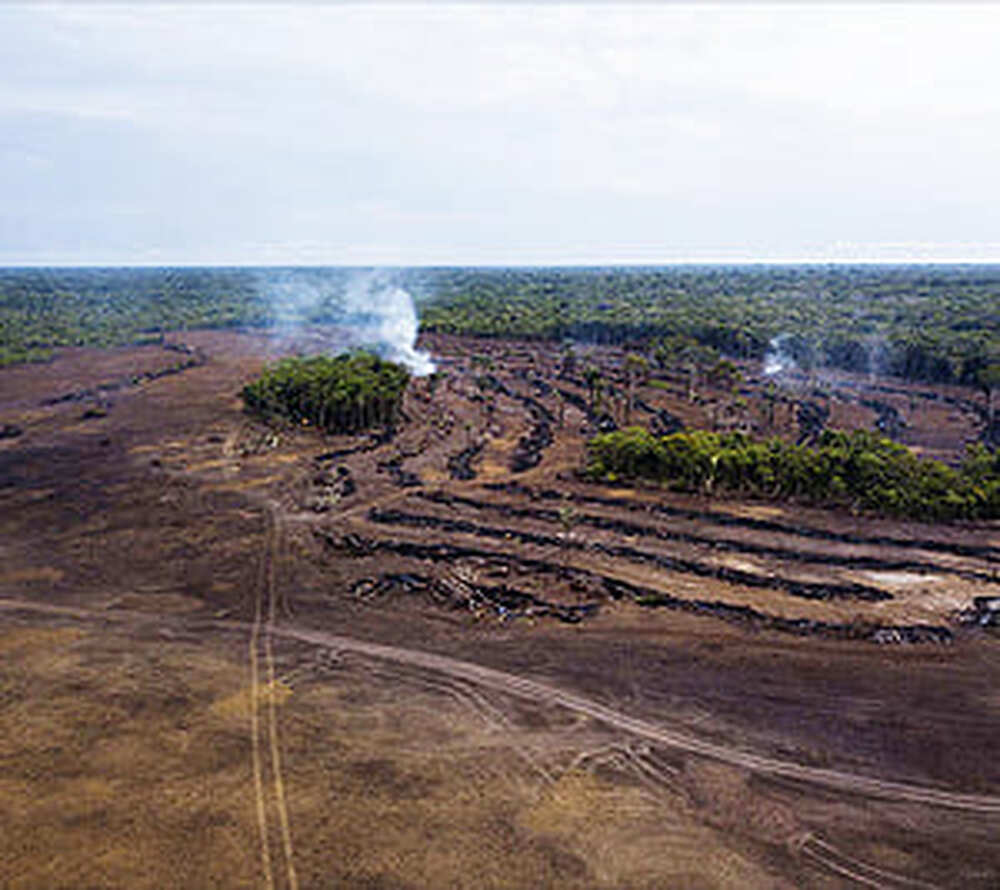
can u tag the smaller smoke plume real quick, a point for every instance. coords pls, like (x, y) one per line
(779, 358)
(877, 354)
(298, 298)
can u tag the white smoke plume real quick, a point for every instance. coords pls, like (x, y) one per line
(779, 358)
(334, 309)
(387, 312)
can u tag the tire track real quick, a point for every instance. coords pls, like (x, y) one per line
(536, 691)
(821, 853)
(273, 537)
(468, 696)
(257, 761)
(835, 860)
(657, 779)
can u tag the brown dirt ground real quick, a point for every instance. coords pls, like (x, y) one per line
(174, 711)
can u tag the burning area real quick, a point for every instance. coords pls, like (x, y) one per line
(328, 311)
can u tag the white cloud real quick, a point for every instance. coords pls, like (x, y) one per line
(419, 130)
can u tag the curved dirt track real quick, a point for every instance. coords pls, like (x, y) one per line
(533, 690)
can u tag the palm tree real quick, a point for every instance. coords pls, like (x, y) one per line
(636, 368)
(593, 377)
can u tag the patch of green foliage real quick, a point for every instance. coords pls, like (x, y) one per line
(16, 356)
(343, 394)
(857, 470)
(42, 309)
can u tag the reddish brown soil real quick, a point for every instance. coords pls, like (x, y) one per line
(221, 667)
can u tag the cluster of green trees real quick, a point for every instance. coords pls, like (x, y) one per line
(342, 394)
(858, 470)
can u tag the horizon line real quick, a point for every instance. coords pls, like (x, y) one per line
(714, 261)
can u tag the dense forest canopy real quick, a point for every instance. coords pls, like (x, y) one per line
(42, 309)
(858, 470)
(938, 323)
(343, 394)
(45, 308)
(928, 322)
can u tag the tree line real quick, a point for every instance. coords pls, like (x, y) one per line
(931, 323)
(923, 322)
(857, 470)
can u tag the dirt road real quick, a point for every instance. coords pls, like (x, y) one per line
(526, 688)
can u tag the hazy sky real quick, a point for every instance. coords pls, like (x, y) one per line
(493, 133)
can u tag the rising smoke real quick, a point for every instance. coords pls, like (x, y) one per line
(333, 310)
(388, 314)
(779, 357)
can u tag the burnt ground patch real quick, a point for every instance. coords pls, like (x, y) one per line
(531, 445)
(987, 552)
(632, 529)
(804, 589)
(460, 465)
(193, 358)
(615, 588)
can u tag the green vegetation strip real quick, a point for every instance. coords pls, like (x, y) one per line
(46, 308)
(344, 394)
(857, 470)
(934, 323)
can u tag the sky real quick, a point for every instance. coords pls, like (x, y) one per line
(523, 133)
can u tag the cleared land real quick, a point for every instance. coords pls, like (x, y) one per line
(235, 658)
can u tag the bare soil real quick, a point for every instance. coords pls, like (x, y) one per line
(221, 665)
